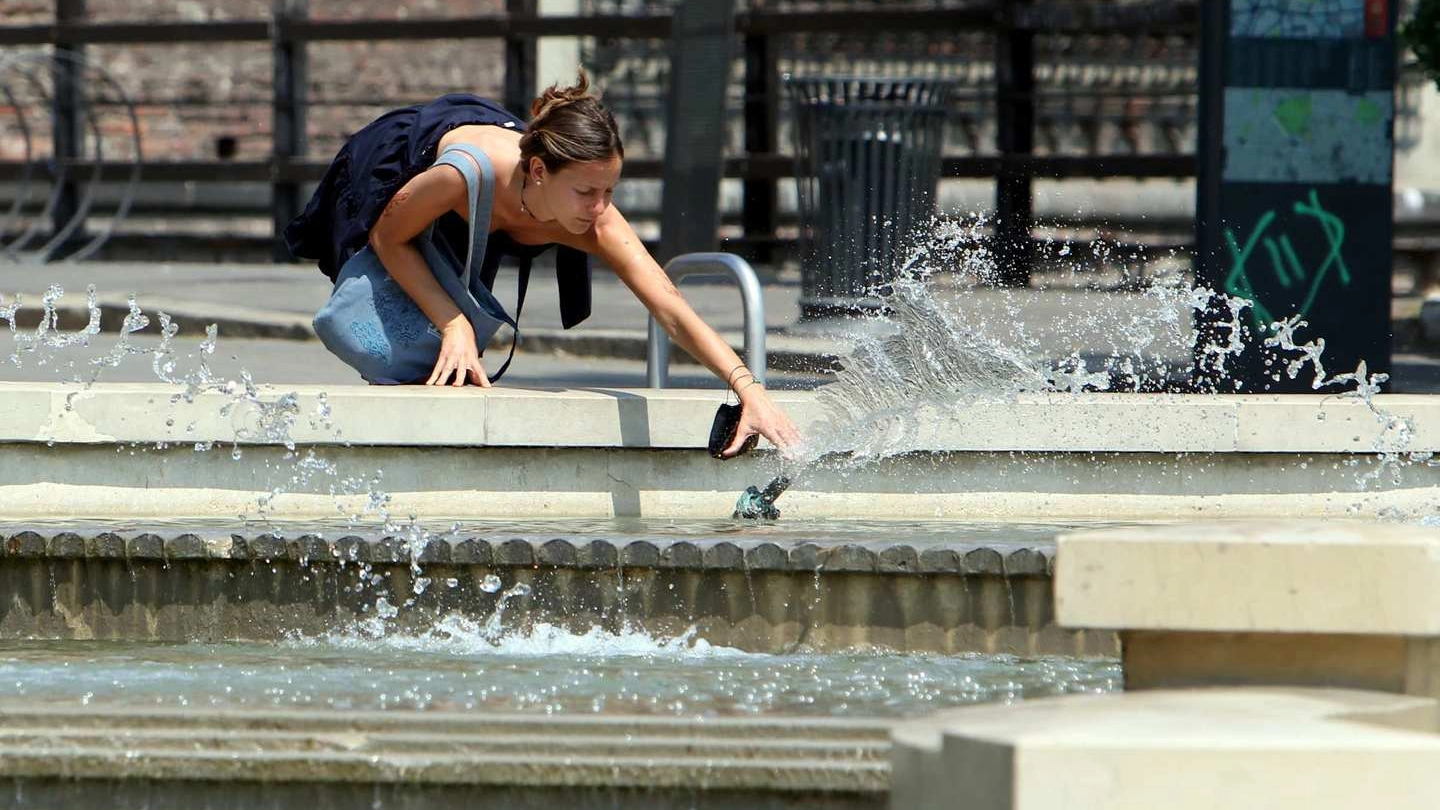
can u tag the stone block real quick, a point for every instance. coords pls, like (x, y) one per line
(640, 554)
(312, 549)
(1280, 577)
(940, 561)
(985, 561)
(66, 545)
(770, 557)
(105, 546)
(898, 560)
(187, 546)
(848, 558)
(1025, 562)
(515, 552)
(598, 554)
(557, 552)
(724, 556)
(436, 551)
(681, 554)
(25, 544)
(145, 546)
(472, 551)
(267, 547)
(1179, 750)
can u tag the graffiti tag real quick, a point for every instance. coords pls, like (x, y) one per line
(1284, 264)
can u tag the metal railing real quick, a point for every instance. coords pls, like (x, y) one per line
(657, 352)
(768, 41)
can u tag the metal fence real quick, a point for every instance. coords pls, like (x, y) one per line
(1069, 88)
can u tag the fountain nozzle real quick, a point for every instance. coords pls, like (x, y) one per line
(758, 504)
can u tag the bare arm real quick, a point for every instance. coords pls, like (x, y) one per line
(418, 203)
(616, 243)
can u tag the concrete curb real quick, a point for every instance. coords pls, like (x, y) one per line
(802, 355)
(785, 352)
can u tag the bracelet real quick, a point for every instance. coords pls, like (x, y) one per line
(753, 381)
(730, 378)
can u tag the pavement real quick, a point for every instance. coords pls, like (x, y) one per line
(263, 314)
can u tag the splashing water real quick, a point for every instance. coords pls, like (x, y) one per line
(257, 417)
(948, 337)
(459, 635)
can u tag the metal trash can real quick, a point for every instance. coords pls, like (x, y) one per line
(867, 164)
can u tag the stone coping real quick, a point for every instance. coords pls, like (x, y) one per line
(1321, 749)
(1295, 576)
(680, 419)
(786, 755)
(589, 552)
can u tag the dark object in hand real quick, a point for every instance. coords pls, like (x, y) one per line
(722, 431)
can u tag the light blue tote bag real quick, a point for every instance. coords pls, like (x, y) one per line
(375, 327)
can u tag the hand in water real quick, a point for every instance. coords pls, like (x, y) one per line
(458, 357)
(760, 415)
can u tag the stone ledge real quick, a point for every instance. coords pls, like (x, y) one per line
(1195, 750)
(680, 419)
(435, 748)
(1356, 577)
(580, 552)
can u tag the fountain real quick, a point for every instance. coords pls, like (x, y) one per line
(302, 591)
(220, 569)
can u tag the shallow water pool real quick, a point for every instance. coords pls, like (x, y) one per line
(546, 670)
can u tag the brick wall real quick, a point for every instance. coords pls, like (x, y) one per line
(190, 98)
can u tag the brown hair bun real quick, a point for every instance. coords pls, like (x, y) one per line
(570, 125)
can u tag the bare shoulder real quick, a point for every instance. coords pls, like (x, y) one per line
(500, 144)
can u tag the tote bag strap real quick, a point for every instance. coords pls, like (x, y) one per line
(519, 305)
(481, 186)
(480, 183)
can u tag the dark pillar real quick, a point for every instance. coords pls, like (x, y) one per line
(1294, 194)
(1210, 324)
(288, 129)
(762, 110)
(68, 115)
(520, 61)
(1015, 138)
(702, 40)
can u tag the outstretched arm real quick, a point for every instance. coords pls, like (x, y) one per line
(617, 245)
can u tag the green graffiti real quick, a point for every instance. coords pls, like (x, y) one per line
(1285, 264)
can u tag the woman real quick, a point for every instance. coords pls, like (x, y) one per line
(553, 186)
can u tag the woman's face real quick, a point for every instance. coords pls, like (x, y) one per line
(579, 193)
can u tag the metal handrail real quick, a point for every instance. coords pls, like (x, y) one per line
(657, 353)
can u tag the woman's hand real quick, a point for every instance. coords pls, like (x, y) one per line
(458, 356)
(759, 414)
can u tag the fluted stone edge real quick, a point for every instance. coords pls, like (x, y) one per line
(580, 552)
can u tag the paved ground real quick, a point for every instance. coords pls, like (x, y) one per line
(605, 351)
